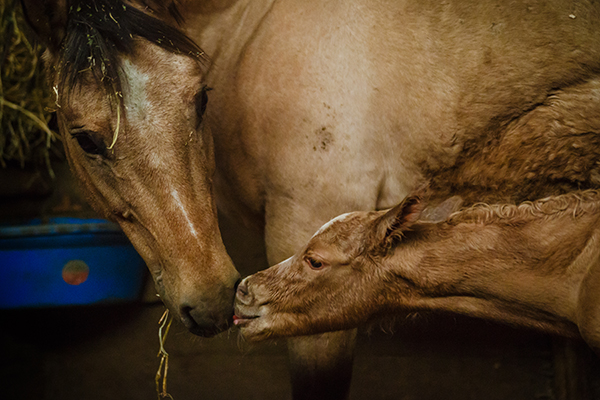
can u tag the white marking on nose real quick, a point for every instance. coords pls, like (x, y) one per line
(328, 224)
(184, 212)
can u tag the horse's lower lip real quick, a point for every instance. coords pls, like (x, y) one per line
(204, 332)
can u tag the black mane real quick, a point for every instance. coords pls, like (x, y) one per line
(99, 31)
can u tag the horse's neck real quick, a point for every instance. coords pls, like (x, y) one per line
(223, 28)
(526, 274)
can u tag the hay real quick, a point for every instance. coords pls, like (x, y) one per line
(161, 375)
(26, 102)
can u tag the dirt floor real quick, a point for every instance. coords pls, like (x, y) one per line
(110, 352)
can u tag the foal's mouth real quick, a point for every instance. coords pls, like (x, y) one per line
(242, 320)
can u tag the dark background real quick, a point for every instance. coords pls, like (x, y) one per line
(110, 352)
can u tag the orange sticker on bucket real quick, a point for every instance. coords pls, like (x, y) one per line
(75, 272)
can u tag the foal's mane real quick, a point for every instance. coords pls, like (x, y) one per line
(99, 31)
(574, 203)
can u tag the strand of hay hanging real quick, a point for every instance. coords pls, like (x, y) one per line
(163, 367)
(25, 98)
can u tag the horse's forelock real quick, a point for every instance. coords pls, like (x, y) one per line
(165, 7)
(100, 31)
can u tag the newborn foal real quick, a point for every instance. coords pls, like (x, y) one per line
(533, 264)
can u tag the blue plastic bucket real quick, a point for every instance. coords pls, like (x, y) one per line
(68, 261)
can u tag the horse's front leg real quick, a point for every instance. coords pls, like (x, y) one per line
(321, 365)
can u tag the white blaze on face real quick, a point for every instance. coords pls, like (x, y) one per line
(286, 261)
(282, 266)
(140, 110)
(184, 212)
(134, 91)
(328, 224)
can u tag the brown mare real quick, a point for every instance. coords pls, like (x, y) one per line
(317, 108)
(536, 264)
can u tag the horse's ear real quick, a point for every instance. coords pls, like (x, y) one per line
(394, 223)
(48, 19)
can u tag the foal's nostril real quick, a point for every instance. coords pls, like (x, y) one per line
(242, 293)
(237, 283)
(243, 288)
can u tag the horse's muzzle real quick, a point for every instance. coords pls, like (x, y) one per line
(202, 326)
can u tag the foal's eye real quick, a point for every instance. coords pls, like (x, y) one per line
(88, 143)
(314, 264)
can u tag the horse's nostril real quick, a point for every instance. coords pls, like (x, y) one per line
(197, 321)
(186, 317)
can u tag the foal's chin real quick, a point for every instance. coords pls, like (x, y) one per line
(263, 328)
(253, 332)
(278, 326)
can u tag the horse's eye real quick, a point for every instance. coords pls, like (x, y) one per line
(88, 143)
(201, 102)
(314, 264)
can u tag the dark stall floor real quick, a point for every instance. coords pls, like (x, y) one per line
(110, 353)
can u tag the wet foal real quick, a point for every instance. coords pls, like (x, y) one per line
(536, 264)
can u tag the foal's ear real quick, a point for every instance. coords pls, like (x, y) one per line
(48, 19)
(393, 224)
(441, 212)
(397, 221)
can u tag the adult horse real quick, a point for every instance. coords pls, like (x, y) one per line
(318, 108)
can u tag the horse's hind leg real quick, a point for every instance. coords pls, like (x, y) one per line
(321, 365)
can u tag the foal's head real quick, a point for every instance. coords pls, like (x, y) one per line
(130, 100)
(341, 278)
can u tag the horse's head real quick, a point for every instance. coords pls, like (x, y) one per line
(130, 99)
